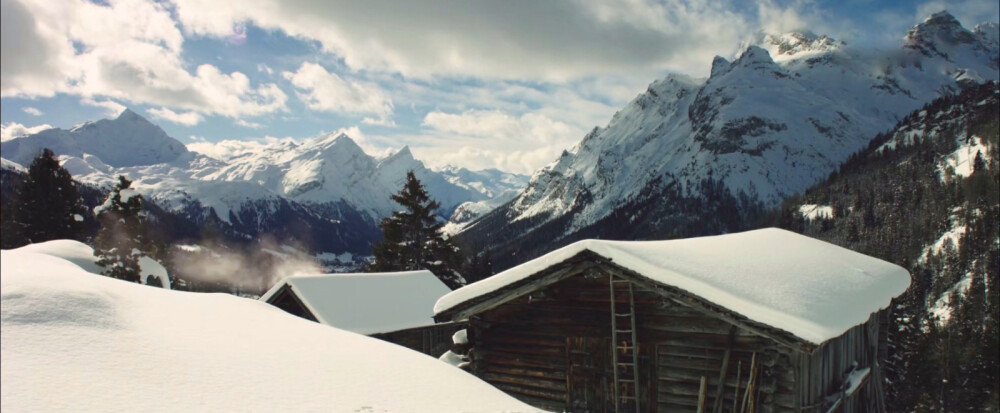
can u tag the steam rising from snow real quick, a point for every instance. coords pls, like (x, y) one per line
(254, 270)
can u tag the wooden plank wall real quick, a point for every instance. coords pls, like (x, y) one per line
(822, 373)
(431, 340)
(689, 345)
(521, 348)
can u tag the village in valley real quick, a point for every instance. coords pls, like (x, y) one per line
(804, 225)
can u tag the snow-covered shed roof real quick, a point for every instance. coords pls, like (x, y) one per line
(367, 303)
(812, 289)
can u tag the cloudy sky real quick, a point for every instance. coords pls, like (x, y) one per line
(504, 84)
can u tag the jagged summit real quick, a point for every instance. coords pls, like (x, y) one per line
(339, 141)
(719, 66)
(403, 153)
(988, 33)
(942, 35)
(754, 55)
(942, 19)
(128, 114)
(783, 114)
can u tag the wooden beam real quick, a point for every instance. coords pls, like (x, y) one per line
(701, 394)
(717, 408)
(574, 265)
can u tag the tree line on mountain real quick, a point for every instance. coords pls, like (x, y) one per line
(892, 202)
(48, 205)
(663, 209)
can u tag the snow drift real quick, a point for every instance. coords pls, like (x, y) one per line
(75, 341)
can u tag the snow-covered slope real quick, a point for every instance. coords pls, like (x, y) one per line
(75, 341)
(766, 125)
(501, 187)
(82, 255)
(334, 167)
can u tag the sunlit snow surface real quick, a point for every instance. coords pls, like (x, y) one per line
(75, 341)
(810, 288)
(83, 256)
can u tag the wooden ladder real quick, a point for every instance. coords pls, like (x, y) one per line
(624, 351)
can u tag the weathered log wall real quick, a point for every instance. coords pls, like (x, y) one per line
(823, 373)
(542, 347)
(432, 340)
(552, 349)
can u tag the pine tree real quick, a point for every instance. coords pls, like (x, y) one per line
(47, 204)
(412, 238)
(122, 237)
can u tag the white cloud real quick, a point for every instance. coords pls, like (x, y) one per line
(249, 124)
(328, 92)
(230, 148)
(33, 53)
(32, 111)
(547, 40)
(111, 108)
(497, 125)
(516, 161)
(126, 50)
(12, 130)
(380, 121)
(494, 139)
(185, 118)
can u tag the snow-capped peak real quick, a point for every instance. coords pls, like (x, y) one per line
(937, 34)
(988, 34)
(129, 115)
(719, 66)
(754, 54)
(402, 154)
(338, 142)
(128, 140)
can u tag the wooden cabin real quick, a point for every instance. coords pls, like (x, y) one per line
(395, 307)
(760, 321)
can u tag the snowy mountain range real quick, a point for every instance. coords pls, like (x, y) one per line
(783, 114)
(327, 184)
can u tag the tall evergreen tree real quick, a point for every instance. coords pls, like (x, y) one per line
(122, 238)
(47, 204)
(412, 238)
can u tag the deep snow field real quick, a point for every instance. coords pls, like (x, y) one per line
(77, 341)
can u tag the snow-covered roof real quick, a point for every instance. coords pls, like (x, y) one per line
(367, 303)
(75, 341)
(809, 288)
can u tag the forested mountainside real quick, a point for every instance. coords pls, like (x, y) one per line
(926, 196)
(695, 157)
